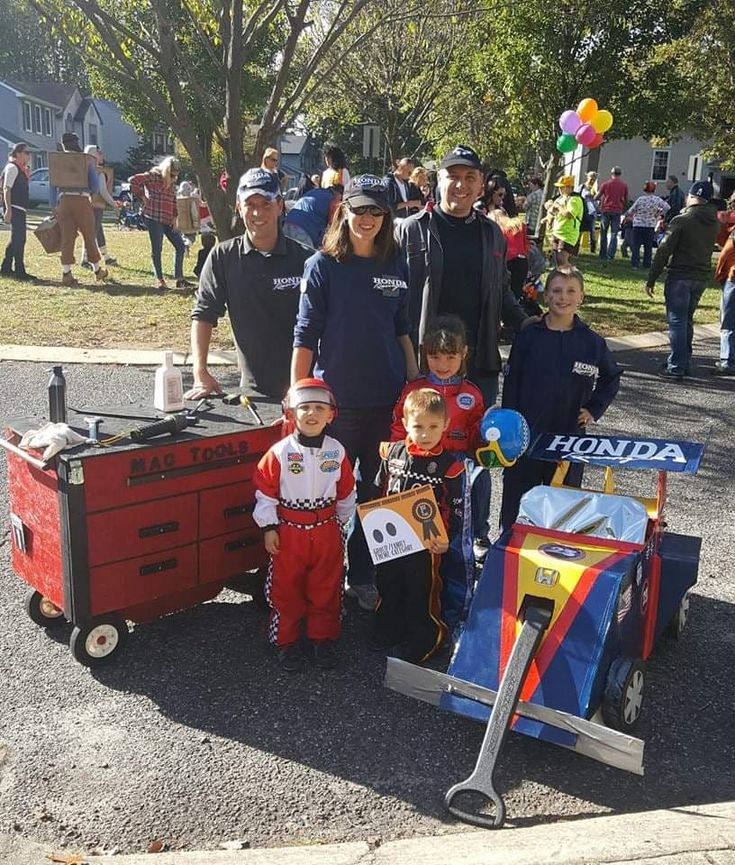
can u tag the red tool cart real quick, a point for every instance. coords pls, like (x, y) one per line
(136, 530)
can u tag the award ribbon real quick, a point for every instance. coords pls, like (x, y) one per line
(424, 510)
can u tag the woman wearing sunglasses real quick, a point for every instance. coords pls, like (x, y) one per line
(353, 328)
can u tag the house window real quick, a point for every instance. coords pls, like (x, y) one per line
(27, 117)
(660, 165)
(47, 122)
(92, 133)
(159, 142)
(37, 119)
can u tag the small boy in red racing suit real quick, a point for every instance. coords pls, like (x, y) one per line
(305, 493)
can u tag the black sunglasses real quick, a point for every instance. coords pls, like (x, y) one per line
(372, 209)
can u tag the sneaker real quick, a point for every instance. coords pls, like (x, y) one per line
(722, 368)
(184, 284)
(69, 280)
(111, 260)
(6, 271)
(366, 595)
(85, 264)
(161, 285)
(102, 273)
(291, 658)
(325, 654)
(670, 374)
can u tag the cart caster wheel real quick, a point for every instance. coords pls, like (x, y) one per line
(41, 611)
(99, 641)
(679, 620)
(624, 692)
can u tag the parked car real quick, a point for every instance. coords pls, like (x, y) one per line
(38, 186)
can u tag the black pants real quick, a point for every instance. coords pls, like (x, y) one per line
(525, 475)
(518, 268)
(409, 609)
(15, 250)
(361, 430)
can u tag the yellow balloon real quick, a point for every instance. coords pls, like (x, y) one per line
(602, 121)
(586, 110)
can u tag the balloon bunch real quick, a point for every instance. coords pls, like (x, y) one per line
(584, 126)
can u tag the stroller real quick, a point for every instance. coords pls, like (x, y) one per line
(130, 217)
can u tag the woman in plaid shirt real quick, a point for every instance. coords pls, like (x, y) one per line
(157, 189)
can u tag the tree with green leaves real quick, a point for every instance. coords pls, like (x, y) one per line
(208, 69)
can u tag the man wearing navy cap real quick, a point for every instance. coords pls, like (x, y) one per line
(256, 279)
(686, 252)
(456, 264)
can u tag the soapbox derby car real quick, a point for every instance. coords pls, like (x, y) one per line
(570, 603)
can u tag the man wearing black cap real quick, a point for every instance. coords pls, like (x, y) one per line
(687, 253)
(256, 278)
(456, 264)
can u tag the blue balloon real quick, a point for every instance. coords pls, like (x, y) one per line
(507, 435)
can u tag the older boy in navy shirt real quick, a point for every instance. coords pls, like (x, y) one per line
(561, 376)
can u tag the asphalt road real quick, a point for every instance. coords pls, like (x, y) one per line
(196, 737)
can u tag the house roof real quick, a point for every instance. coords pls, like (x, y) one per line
(8, 136)
(46, 91)
(84, 107)
(293, 144)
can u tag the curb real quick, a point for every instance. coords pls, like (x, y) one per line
(152, 357)
(674, 836)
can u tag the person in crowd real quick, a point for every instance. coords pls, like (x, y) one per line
(270, 162)
(209, 241)
(725, 276)
(255, 278)
(588, 190)
(726, 218)
(566, 211)
(100, 200)
(561, 377)
(409, 613)
(534, 200)
(493, 199)
(187, 189)
(517, 247)
(310, 215)
(456, 265)
(501, 179)
(675, 199)
(420, 179)
(316, 179)
(73, 210)
(305, 184)
(645, 213)
(15, 176)
(157, 189)
(404, 198)
(686, 252)
(301, 514)
(353, 329)
(336, 173)
(613, 199)
(444, 363)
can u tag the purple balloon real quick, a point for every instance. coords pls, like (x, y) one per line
(586, 134)
(569, 122)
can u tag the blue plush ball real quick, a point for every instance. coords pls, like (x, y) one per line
(508, 429)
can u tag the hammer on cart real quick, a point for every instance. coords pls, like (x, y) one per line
(243, 401)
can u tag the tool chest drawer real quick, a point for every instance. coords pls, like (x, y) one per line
(141, 529)
(230, 555)
(226, 509)
(125, 584)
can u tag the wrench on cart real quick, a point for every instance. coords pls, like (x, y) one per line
(482, 779)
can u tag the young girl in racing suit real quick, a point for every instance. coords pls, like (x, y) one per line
(305, 493)
(444, 356)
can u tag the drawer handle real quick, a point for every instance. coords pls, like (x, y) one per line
(238, 511)
(157, 567)
(162, 529)
(232, 546)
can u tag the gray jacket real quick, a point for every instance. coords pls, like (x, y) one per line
(418, 237)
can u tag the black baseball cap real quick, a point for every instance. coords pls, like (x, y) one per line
(702, 189)
(366, 190)
(462, 155)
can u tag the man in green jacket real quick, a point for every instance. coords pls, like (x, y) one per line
(687, 252)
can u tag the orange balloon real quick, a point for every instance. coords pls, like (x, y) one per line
(586, 110)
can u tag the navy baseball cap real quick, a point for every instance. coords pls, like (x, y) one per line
(702, 189)
(366, 190)
(461, 155)
(258, 181)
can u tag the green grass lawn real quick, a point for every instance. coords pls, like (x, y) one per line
(128, 311)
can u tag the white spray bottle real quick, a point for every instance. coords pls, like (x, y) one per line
(168, 395)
